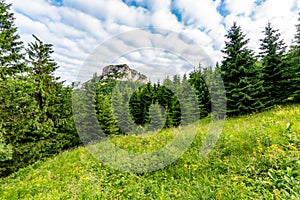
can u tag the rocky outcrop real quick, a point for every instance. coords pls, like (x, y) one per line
(122, 73)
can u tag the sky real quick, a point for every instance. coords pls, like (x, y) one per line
(156, 37)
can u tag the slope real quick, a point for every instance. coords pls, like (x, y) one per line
(256, 157)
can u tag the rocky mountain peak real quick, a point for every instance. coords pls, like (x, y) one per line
(122, 72)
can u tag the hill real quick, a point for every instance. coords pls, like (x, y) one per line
(256, 157)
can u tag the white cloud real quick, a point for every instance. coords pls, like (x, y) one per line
(112, 11)
(78, 27)
(237, 7)
(199, 14)
(38, 9)
(273, 9)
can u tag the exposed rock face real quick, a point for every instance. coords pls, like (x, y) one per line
(122, 73)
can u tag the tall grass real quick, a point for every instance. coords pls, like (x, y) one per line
(256, 157)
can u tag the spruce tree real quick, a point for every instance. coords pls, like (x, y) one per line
(175, 102)
(11, 57)
(54, 111)
(86, 100)
(42, 68)
(169, 96)
(136, 106)
(146, 101)
(239, 75)
(120, 106)
(217, 92)
(196, 79)
(53, 99)
(157, 118)
(105, 115)
(293, 72)
(188, 102)
(272, 57)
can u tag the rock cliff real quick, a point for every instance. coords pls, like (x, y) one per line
(122, 73)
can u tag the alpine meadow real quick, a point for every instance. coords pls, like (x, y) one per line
(256, 94)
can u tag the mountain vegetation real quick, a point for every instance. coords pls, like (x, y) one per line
(256, 157)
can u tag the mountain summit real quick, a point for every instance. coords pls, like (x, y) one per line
(122, 72)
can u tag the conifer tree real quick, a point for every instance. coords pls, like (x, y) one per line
(293, 72)
(157, 118)
(85, 104)
(54, 111)
(146, 101)
(175, 103)
(217, 92)
(105, 115)
(196, 79)
(272, 55)
(188, 102)
(11, 57)
(168, 95)
(120, 107)
(239, 75)
(42, 68)
(136, 106)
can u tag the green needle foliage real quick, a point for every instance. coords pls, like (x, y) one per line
(11, 58)
(293, 72)
(242, 85)
(274, 64)
(196, 79)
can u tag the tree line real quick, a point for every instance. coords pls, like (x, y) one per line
(36, 116)
(252, 83)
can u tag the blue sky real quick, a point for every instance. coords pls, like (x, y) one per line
(77, 27)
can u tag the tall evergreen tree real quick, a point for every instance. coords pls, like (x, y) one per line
(120, 106)
(272, 55)
(217, 92)
(146, 101)
(239, 75)
(169, 96)
(42, 68)
(86, 101)
(188, 102)
(156, 117)
(10, 46)
(50, 93)
(293, 72)
(196, 79)
(105, 115)
(175, 102)
(54, 121)
(136, 107)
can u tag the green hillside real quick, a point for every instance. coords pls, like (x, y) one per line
(256, 157)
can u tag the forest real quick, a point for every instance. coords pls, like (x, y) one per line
(36, 107)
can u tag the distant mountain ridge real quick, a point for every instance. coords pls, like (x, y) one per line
(122, 72)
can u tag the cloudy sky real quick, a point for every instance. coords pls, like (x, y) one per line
(87, 34)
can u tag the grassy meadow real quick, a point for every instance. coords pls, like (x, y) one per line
(256, 157)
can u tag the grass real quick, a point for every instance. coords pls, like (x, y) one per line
(256, 157)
